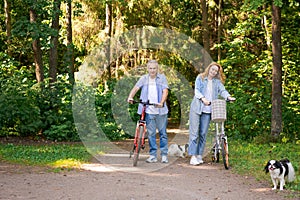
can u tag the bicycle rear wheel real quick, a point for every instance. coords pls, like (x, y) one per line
(224, 148)
(138, 147)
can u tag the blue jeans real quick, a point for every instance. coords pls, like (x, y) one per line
(198, 129)
(159, 122)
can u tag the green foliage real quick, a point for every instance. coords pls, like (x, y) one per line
(250, 158)
(45, 110)
(248, 67)
(103, 103)
(20, 114)
(55, 102)
(31, 109)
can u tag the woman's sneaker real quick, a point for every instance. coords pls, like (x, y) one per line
(199, 158)
(194, 161)
(164, 159)
(151, 159)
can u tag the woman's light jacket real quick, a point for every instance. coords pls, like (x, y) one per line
(200, 87)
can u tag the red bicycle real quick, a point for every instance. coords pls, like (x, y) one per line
(140, 133)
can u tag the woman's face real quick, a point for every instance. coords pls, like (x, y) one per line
(213, 71)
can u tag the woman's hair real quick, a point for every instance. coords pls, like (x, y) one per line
(220, 74)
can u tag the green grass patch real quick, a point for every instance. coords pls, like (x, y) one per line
(250, 159)
(57, 156)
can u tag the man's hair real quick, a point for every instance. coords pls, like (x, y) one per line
(152, 62)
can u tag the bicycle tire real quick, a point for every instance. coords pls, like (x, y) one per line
(224, 148)
(138, 147)
(215, 154)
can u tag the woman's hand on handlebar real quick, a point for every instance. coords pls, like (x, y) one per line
(231, 99)
(205, 101)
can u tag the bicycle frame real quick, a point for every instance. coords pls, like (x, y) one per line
(140, 123)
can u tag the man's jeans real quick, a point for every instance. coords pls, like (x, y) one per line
(155, 121)
(198, 129)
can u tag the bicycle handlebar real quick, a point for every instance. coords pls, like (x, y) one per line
(227, 100)
(144, 103)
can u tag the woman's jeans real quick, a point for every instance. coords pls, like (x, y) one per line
(198, 129)
(153, 122)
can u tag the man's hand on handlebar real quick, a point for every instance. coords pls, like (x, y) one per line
(130, 100)
(159, 105)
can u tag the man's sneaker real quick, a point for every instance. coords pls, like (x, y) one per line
(199, 158)
(164, 159)
(151, 159)
(194, 161)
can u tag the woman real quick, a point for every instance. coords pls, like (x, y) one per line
(208, 86)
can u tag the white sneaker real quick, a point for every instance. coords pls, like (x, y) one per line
(199, 158)
(164, 159)
(194, 161)
(151, 159)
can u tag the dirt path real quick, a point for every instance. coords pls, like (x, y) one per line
(175, 181)
(112, 176)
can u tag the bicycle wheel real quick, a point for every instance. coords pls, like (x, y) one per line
(215, 153)
(138, 147)
(224, 147)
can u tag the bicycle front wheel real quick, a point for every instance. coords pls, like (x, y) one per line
(138, 147)
(224, 147)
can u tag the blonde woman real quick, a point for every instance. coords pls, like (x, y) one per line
(208, 86)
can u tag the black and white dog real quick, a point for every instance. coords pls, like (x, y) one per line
(178, 150)
(280, 171)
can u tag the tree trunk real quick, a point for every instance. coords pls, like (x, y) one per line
(53, 55)
(219, 27)
(205, 33)
(276, 121)
(8, 25)
(108, 29)
(70, 49)
(37, 52)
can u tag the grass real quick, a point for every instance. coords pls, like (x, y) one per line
(250, 159)
(56, 156)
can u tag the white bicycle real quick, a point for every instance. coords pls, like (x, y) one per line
(220, 145)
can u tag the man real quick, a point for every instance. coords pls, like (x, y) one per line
(154, 87)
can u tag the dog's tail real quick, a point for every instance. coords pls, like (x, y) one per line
(291, 175)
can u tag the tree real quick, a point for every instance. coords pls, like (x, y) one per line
(108, 32)
(37, 51)
(205, 31)
(53, 55)
(70, 48)
(219, 26)
(7, 9)
(276, 121)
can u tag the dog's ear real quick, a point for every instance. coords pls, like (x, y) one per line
(266, 169)
(179, 147)
(186, 146)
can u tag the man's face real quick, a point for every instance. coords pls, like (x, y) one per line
(152, 70)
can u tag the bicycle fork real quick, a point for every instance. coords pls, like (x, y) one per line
(219, 136)
(139, 136)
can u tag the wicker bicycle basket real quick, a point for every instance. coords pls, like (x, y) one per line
(218, 108)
